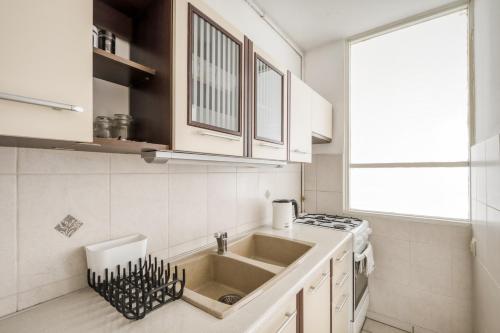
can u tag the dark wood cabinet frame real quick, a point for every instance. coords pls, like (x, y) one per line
(191, 11)
(256, 137)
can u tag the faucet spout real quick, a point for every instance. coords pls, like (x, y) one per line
(221, 238)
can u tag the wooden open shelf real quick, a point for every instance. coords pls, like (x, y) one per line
(118, 146)
(113, 68)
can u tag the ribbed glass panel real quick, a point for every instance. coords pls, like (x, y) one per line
(215, 79)
(269, 102)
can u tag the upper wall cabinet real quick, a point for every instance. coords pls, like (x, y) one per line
(46, 69)
(208, 82)
(300, 120)
(322, 119)
(269, 113)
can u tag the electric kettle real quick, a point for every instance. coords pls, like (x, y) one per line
(284, 212)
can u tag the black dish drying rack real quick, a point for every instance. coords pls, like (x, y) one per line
(138, 289)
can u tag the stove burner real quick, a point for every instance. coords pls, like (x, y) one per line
(330, 221)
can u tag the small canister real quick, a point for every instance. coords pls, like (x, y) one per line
(102, 127)
(107, 41)
(121, 127)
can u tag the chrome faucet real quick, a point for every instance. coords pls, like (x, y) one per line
(221, 238)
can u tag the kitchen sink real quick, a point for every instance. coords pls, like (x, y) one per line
(211, 277)
(269, 249)
(222, 284)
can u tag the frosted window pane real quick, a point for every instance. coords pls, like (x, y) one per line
(439, 192)
(269, 102)
(409, 94)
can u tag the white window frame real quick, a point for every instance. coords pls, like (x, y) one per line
(408, 22)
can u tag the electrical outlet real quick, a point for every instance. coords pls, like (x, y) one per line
(473, 246)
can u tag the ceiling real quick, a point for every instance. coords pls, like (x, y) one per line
(312, 23)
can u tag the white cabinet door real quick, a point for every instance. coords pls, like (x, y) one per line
(317, 302)
(300, 120)
(46, 59)
(322, 116)
(208, 81)
(283, 321)
(270, 116)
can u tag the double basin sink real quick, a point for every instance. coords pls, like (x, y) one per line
(221, 284)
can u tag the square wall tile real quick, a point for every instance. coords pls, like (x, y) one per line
(329, 202)
(192, 167)
(187, 208)
(310, 174)
(45, 255)
(268, 191)
(493, 172)
(132, 163)
(250, 209)
(461, 275)
(479, 226)
(390, 299)
(8, 240)
(329, 173)
(390, 227)
(431, 268)
(310, 201)
(47, 161)
(8, 305)
(8, 160)
(222, 202)
(492, 261)
(392, 259)
(478, 172)
(431, 311)
(139, 204)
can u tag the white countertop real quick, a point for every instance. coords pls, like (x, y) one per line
(85, 311)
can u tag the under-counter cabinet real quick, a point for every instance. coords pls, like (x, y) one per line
(300, 119)
(208, 82)
(316, 299)
(46, 69)
(284, 320)
(341, 290)
(269, 133)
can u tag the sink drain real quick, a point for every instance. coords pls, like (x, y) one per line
(230, 299)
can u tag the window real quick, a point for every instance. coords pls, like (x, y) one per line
(408, 120)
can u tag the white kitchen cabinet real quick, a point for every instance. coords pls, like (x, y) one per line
(322, 118)
(300, 120)
(284, 320)
(270, 116)
(317, 301)
(46, 69)
(342, 289)
(208, 81)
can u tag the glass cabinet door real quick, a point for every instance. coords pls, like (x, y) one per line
(268, 102)
(215, 76)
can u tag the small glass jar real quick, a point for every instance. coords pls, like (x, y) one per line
(102, 127)
(107, 41)
(121, 126)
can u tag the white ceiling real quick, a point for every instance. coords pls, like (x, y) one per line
(311, 23)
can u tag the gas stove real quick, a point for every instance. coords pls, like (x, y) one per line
(337, 222)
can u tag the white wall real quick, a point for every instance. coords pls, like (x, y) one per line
(324, 72)
(485, 157)
(243, 17)
(487, 68)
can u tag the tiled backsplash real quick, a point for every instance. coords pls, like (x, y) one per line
(423, 268)
(485, 193)
(178, 207)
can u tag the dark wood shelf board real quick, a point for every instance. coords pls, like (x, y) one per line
(128, 7)
(113, 68)
(117, 146)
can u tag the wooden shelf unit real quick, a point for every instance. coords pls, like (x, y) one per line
(147, 25)
(117, 146)
(113, 68)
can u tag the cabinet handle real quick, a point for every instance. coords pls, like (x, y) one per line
(340, 259)
(267, 145)
(290, 317)
(221, 136)
(324, 276)
(41, 102)
(298, 151)
(341, 282)
(339, 307)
